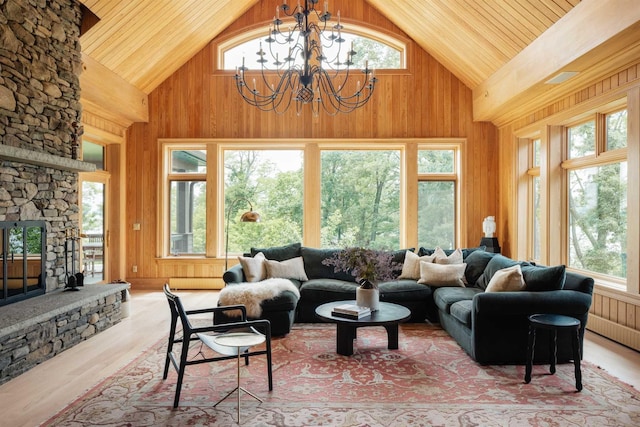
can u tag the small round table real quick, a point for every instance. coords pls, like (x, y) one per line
(553, 323)
(388, 315)
(241, 341)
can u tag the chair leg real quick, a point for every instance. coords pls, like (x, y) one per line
(269, 368)
(183, 362)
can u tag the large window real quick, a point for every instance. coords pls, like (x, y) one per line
(361, 198)
(272, 181)
(597, 195)
(320, 193)
(534, 201)
(437, 184)
(187, 201)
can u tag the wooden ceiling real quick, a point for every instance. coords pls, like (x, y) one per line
(144, 41)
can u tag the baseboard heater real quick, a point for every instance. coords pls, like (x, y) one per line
(614, 331)
(195, 283)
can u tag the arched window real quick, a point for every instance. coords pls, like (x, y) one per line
(380, 50)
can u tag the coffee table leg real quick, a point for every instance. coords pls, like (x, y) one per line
(345, 334)
(392, 336)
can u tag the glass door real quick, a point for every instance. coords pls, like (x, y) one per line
(93, 234)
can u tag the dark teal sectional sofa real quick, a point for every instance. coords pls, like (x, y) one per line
(490, 326)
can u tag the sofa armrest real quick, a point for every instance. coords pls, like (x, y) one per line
(234, 275)
(567, 302)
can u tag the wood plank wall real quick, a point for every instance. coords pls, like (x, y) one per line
(197, 101)
(614, 313)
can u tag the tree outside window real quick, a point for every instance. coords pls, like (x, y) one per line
(272, 181)
(360, 198)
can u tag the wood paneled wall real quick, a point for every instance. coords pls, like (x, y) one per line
(614, 313)
(197, 101)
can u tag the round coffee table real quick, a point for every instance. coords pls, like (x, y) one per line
(388, 315)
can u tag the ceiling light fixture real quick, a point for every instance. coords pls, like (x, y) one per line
(304, 74)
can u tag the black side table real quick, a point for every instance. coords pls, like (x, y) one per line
(553, 323)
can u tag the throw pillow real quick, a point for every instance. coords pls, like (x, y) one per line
(506, 280)
(498, 262)
(476, 263)
(254, 268)
(442, 258)
(411, 265)
(289, 269)
(441, 274)
(539, 279)
(279, 253)
(315, 269)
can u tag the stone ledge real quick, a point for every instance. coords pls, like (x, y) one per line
(38, 158)
(24, 314)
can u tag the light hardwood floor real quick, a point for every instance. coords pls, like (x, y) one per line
(38, 394)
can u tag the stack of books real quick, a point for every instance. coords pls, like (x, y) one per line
(351, 311)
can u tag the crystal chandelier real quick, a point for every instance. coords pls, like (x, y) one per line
(305, 75)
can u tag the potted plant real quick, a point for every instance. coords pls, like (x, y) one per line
(369, 267)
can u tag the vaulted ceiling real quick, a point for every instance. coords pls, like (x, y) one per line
(504, 50)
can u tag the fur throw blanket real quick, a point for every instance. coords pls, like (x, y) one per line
(251, 294)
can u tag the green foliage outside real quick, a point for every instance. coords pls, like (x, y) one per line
(598, 205)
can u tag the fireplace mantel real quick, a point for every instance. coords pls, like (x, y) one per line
(38, 158)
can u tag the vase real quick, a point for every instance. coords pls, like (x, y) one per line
(368, 297)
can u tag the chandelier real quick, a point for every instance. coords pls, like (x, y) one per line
(305, 75)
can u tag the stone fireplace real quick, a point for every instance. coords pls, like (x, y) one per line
(40, 116)
(40, 129)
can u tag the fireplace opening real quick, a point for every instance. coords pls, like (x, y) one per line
(23, 254)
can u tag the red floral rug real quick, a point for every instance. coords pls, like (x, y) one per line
(429, 381)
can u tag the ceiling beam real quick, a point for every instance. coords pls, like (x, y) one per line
(586, 27)
(107, 94)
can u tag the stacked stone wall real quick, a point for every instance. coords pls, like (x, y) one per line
(32, 343)
(40, 63)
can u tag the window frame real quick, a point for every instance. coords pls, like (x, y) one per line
(311, 162)
(394, 41)
(454, 177)
(601, 157)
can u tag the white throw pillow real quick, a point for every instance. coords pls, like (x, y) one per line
(288, 269)
(411, 265)
(506, 280)
(442, 274)
(254, 268)
(442, 258)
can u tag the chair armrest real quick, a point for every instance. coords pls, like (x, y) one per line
(497, 304)
(234, 275)
(221, 309)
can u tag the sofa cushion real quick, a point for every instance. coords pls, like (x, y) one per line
(461, 311)
(476, 263)
(322, 290)
(317, 270)
(411, 265)
(279, 253)
(539, 278)
(403, 291)
(498, 262)
(441, 274)
(288, 269)
(507, 280)
(445, 297)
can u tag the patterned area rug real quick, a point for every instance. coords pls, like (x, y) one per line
(429, 381)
